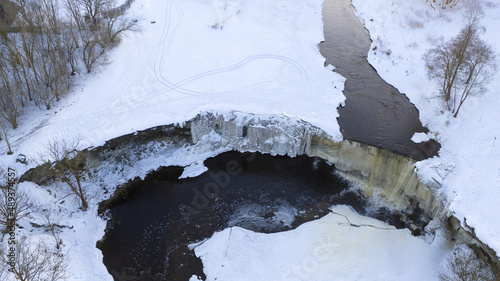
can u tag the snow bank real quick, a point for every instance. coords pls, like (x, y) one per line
(342, 245)
(468, 166)
(193, 56)
(194, 170)
(79, 234)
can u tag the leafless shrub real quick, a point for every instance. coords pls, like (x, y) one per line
(37, 262)
(93, 50)
(20, 200)
(72, 167)
(443, 3)
(415, 24)
(5, 136)
(100, 26)
(14, 204)
(94, 9)
(3, 266)
(465, 266)
(114, 25)
(52, 227)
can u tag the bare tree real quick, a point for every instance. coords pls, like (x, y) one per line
(465, 266)
(463, 65)
(71, 46)
(95, 8)
(74, 10)
(49, 9)
(21, 201)
(36, 56)
(446, 60)
(37, 262)
(53, 71)
(16, 65)
(14, 204)
(9, 97)
(49, 61)
(3, 266)
(37, 61)
(479, 67)
(52, 227)
(5, 136)
(115, 24)
(93, 50)
(72, 167)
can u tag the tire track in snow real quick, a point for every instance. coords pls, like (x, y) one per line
(167, 40)
(106, 113)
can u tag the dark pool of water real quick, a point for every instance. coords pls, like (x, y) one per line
(375, 112)
(149, 234)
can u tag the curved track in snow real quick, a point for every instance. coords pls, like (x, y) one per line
(168, 36)
(113, 109)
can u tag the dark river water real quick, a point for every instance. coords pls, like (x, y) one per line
(375, 112)
(149, 233)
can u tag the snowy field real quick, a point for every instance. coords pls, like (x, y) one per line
(262, 57)
(190, 56)
(193, 56)
(468, 166)
(340, 246)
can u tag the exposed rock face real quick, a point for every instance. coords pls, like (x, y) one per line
(267, 134)
(378, 171)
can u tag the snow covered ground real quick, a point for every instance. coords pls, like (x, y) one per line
(468, 166)
(194, 56)
(83, 229)
(262, 57)
(340, 246)
(191, 56)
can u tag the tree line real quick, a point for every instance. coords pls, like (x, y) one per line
(54, 40)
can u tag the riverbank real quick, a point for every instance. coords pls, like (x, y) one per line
(236, 62)
(374, 113)
(468, 167)
(134, 155)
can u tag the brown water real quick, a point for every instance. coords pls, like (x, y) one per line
(375, 112)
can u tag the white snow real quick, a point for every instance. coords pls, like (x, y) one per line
(420, 137)
(190, 57)
(342, 245)
(79, 238)
(261, 57)
(468, 166)
(194, 170)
